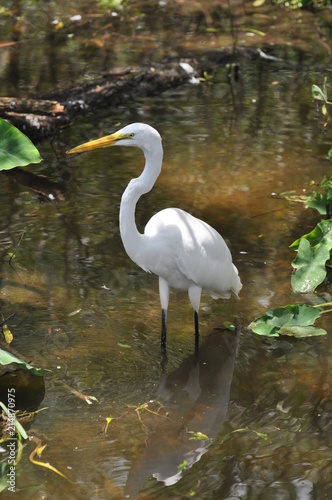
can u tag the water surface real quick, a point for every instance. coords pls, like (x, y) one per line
(264, 405)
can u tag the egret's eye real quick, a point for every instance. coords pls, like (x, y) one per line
(132, 134)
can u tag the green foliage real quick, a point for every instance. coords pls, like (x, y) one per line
(16, 150)
(198, 436)
(182, 466)
(110, 4)
(314, 249)
(6, 358)
(292, 320)
(320, 94)
(206, 78)
(313, 252)
(321, 198)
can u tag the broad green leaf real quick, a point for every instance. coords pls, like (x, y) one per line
(279, 316)
(309, 266)
(264, 328)
(6, 358)
(323, 228)
(293, 320)
(16, 150)
(313, 251)
(301, 331)
(303, 315)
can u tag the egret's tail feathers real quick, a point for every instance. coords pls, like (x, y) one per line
(235, 294)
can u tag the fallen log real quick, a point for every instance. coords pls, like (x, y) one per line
(119, 86)
(37, 118)
(41, 118)
(39, 106)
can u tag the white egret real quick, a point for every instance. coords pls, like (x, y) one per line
(185, 252)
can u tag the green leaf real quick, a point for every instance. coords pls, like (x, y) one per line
(309, 267)
(294, 320)
(16, 150)
(302, 331)
(6, 358)
(198, 436)
(330, 154)
(313, 251)
(182, 466)
(317, 93)
(318, 202)
(316, 236)
(229, 325)
(256, 32)
(321, 199)
(264, 328)
(124, 346)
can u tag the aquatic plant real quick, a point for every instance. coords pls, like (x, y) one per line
(16, 149)
(312, 261)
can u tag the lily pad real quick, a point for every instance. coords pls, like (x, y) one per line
(16, 149)
(293, 320)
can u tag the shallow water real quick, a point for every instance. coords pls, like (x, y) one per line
(91, 318)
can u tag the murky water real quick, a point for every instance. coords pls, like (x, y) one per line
(91, 318)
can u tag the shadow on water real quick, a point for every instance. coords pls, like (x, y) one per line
(196, 396)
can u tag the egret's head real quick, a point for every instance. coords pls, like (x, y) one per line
(139, 135)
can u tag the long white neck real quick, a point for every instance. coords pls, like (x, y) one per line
(131, 238)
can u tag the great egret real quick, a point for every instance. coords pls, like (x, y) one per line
(185, 252)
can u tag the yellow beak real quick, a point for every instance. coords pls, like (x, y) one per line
(103, 142)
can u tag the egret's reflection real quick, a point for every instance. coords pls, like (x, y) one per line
(196, 395)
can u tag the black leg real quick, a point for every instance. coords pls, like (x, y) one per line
(163, 331)
(196, 332)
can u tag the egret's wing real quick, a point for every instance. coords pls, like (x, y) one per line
(197, 251)
(206, 259)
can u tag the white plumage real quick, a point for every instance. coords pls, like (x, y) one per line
(185, 252)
